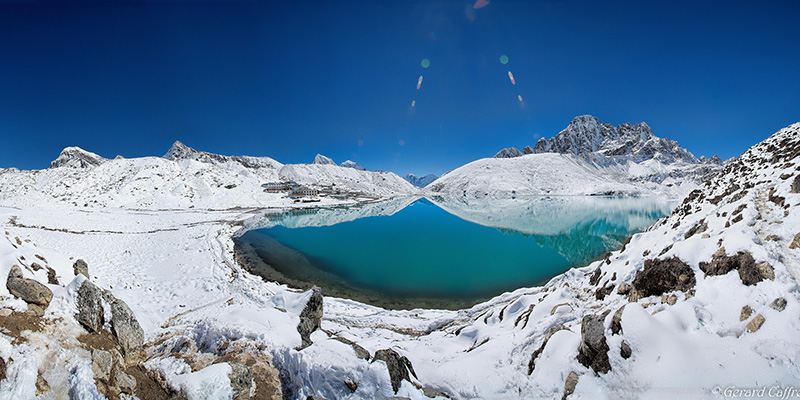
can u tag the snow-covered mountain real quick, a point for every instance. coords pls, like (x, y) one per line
(184, 177)
(352, 164)
(589, 158)
(323, 160)
(420, 181)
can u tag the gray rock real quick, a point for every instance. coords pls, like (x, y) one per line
(624, 288)
(241, 381)
(433, 393)
(593, 351)
(124, 382)
(36, 266)
(361, 352)
(569, 384)
(127, 330)
(51, 276)
(102, 364)
(796, 184)
(398, 366)
(352, 386)
(778, 304)
(80, 267)
(90, 308)
(28, 289)
(625, 350)
(310, 317)
(662, 276)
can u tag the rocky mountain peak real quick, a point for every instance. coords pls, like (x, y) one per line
(76, 157)
(179, 151)
(322, 160)
(509, 152)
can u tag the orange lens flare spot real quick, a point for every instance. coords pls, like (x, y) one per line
(419, 81)
(510, 77)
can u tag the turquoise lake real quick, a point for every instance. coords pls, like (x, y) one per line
(446, 249)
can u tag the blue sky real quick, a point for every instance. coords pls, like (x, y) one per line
(292, 79)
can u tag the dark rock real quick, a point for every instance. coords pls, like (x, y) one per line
(127, 330)
(601, 293)
(569, 384)
(398, 366)
(310, 317)
(547, 336)
(90, 307)
(2, 369)
(616, 321)
(593, 351)
(315, 397)
(433, 393)
(352, 386)
(700, 227)
(28, 289)
(80, 267)
(796, 184)
(51, 276)
(743, 262)
(625, 350)
(595, 277)
(241, 380)
(778, 304)
(662, 276)
(36, 266)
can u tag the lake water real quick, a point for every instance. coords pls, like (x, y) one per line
(444, 252)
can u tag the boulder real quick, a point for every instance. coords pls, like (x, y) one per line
(661, 276)
(398, 366)
(743, 262)
(361, 352)
(30, 290)
(310, 317)
(796, 184)
(90, 307)
(593, 351)
(80, 267)
(616, 321)
(102, 364)
(127, 330)
(778, 304)
(51, 276)
(624, 288)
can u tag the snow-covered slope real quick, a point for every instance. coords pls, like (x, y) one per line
(369, 183)
(588, 157)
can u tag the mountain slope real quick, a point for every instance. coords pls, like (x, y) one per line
(420, 181)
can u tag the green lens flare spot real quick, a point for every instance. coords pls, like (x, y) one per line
(504, 59)
(425, 63)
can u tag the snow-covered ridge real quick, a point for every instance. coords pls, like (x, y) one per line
(420, 181)
(180, 151)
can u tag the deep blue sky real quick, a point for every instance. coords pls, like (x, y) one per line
(291, 79)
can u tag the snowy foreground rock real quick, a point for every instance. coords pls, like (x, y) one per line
(704, 301)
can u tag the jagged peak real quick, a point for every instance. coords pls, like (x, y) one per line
(509, 152)
(352, 164)
(179, 151)
(76, 157)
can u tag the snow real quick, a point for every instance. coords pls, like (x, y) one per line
(173, 265)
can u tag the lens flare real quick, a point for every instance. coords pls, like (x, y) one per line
(519, 97)
(425, 63)
(413, 103)
(480, 4)
(504, 59)
(402, 142)
(419, 81)
(360, 143)
(510, 77)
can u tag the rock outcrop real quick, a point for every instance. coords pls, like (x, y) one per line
(29, 290)
(743, 262)
(90, 307)
(398, 366)
(661, 276)
(80, 267)
(593, 351)
(310, 317)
